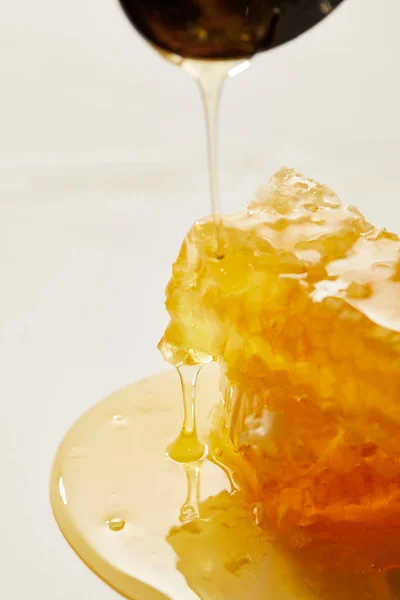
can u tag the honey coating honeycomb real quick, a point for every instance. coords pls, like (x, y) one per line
(302, 311)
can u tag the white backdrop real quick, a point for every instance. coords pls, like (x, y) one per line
(102, 169)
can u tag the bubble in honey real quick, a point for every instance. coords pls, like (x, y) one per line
(188, 514)
(188, 448)
(119, 421)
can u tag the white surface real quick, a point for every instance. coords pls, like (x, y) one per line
(101, 171)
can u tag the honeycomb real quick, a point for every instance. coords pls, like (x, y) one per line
(302, 312)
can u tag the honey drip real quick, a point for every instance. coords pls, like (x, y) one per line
(190, 509)
(187, 448)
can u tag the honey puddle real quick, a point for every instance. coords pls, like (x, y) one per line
(154, 528)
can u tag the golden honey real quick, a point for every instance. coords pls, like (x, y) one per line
(284, 480)
(302, 312)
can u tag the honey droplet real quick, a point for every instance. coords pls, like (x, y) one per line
(190, 509)
(188, 448)
(116, 524)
